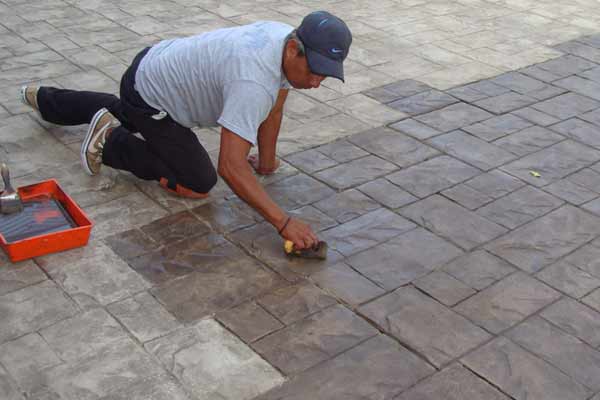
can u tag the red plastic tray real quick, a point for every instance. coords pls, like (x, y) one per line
(51, 242)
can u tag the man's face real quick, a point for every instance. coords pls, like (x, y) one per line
(297, 71)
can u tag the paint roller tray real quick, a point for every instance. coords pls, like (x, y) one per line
(50, 222)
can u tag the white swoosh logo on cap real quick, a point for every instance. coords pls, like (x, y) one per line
(337, 50)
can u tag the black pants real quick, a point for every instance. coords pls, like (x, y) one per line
(170, 153)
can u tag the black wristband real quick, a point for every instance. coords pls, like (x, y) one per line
(284, 225)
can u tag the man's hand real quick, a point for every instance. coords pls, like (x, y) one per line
(299, 233)
(254, 160)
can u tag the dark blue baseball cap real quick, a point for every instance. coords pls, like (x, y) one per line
(326, 40)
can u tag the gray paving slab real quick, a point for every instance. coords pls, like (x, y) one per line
(521, 374)
(543, 241)
(507, 302)
(440, 338)
(235, 371)
(453, 383)
(575, 319)
(378, 365)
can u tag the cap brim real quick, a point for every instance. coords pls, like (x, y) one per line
(321, 65)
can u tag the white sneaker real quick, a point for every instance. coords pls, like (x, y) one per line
(93, 144)
(29, 96)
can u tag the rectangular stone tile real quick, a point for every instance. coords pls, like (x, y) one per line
(535, 116)
(83, 335)
(453, 117)
(8, 389)
(581, 50)
(159, 388)
(414, 128)
(113, 369)
(592, 74)
(478, 90)
(93, 275)
(478, 269)
(143, 317)
(314, 339)
(543, 241)
(346, 284)
(553, 163)
(122, 214)
(367, 110)
(576, 319)
(347, 205)
(441, 337)
(15, 276)
(341, 151)
(518, 82)
(453, 383)
(356, 172)
(227, 215)
(423, 102)
(586, 258)
(366, 231)
(497, 127)
(529, 140)
(592, 116)
(571, 192)
(593, 299)
(581, 86)
(467, 196)
(507, 302)
(182, 258)
(505, 102)
(297, 191)
(234, 370)
(378, 367)
(386, 193)
(396, 90)
(472, 150)
(311, 161)
(175, 227)
(33, 308)
(567, 106)
(292, 303)
(579, 130)
(520, 207)
(212, 289)
(131, 244)
(249, 321)
(404, 258)
(452, 222)
(433, 176)
(393, 146)
(26, 358)
(569, 354)
(566, 65)
(569, 279)
(495, 183)
(452, 76)
(444, 288)
(521, 374)
(542, 74)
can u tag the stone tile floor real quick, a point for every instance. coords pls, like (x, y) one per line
(454, 271)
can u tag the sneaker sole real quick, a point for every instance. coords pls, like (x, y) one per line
(88, 139)
(24, 96)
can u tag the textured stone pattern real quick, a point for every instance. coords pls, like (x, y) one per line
(455, 175)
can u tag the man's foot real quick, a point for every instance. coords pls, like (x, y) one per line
(29, 96)
(93, 144)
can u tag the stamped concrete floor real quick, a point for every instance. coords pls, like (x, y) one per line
(456, 177)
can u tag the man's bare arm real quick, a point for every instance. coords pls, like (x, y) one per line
(237, 172)
(268, 133)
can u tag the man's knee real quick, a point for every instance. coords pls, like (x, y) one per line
(196, 186)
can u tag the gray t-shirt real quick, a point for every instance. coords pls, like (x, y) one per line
(229, 77)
